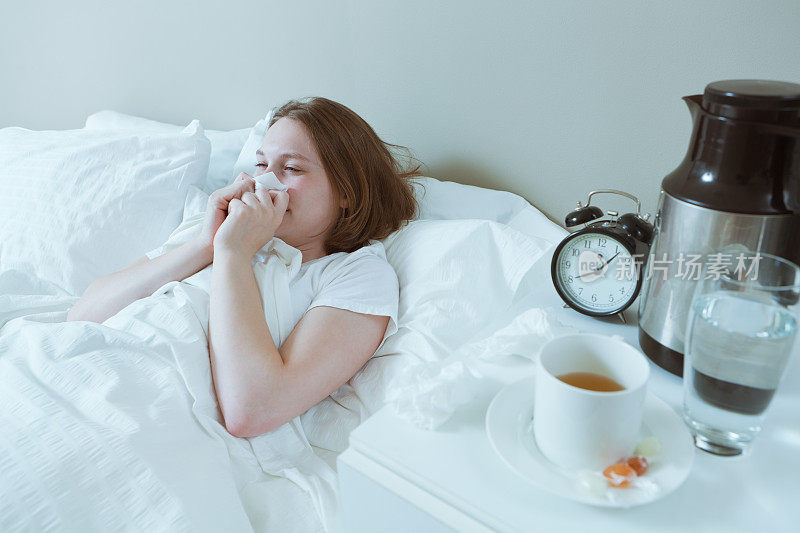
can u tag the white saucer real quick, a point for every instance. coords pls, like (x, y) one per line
(510, 431)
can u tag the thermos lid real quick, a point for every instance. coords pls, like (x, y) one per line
(777, 102)
(744, 154)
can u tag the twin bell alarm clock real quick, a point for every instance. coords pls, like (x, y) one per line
(598, 269)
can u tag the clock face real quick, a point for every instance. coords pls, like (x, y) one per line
(595, 273)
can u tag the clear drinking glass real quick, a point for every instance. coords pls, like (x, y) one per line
(741, 333)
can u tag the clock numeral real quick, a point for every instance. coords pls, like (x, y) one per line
(587, 243)
(567, 264)
(574, 252)
(617, 250)
(602, 242)
(569, 279)
(594, 297)
(622, 290)
(610, 297)
(580, 290)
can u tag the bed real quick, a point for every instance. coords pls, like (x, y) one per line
(114, 426)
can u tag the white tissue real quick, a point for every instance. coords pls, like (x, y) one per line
(269, 181)
(524, 336)
(427, 394)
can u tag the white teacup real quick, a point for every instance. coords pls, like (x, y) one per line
(580, 428)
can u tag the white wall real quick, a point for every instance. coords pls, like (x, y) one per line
(546, 99)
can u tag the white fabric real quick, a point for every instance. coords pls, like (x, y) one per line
(225, 145)
(115, 426)
(362, 281)
(427, 394)
(77, 205)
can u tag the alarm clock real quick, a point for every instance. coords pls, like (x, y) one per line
(597, 270)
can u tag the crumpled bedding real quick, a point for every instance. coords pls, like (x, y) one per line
(116, 426)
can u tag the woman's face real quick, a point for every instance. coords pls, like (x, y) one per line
(289, 152)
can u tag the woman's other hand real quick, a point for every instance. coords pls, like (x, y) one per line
(251, 222)
(217, 206)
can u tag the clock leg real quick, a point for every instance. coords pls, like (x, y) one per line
(622, 317)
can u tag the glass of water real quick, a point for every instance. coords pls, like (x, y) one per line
(741, 332)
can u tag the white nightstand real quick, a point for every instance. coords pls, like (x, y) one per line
(397, 478)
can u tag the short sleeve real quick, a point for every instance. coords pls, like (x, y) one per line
(367, 284)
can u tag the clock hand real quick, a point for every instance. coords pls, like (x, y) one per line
(592, 272)
(607, 262)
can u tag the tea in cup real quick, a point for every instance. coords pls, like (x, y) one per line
(589, 400)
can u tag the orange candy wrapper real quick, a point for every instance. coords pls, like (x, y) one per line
(623, 472)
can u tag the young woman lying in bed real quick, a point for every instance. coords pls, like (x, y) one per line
(345, 191)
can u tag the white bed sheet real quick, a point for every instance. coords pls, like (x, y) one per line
(114, 426)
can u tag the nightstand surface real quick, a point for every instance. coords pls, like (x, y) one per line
(453, 478)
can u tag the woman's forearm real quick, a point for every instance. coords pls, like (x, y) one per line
(109, 294)
(245, 362)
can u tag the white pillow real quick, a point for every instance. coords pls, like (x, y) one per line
(225, 145)
(449, 200)
(80, 204)
(456, 275)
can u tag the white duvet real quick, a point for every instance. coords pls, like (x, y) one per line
(115, 426)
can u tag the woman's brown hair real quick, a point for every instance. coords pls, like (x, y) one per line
(361, 167)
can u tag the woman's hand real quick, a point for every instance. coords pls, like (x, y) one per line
(217, 207)
(251, 222)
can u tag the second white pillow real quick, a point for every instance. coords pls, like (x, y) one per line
(80, 204)
(225, 145)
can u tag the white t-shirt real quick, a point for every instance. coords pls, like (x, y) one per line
(362, 281)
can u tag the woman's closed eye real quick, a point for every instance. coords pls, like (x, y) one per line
(288, 169)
